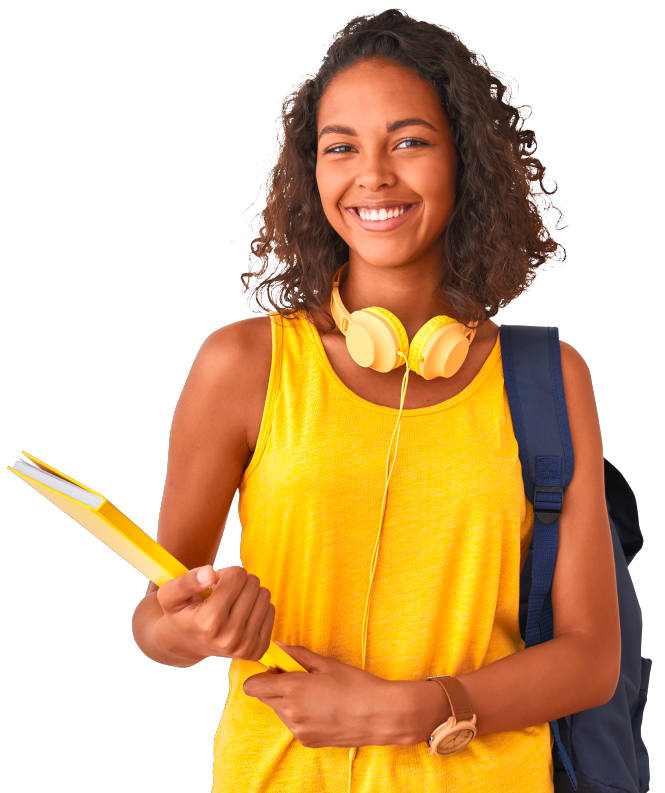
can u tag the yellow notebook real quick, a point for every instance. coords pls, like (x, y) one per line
(116, 530)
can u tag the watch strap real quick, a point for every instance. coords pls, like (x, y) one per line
(460, 704)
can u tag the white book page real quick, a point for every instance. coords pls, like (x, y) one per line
(56, 483)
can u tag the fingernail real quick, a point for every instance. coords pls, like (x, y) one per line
(203, 576)
(281, 644)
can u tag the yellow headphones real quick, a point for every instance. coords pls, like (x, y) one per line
(375, 338)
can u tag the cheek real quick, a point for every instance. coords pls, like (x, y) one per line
(437, 186)
(331, 185)
(331, 202)
(435, 181)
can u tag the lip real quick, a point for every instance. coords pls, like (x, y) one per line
(382, 225)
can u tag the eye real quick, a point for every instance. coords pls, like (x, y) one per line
(412, 140)
(338, 149)
(334, 149)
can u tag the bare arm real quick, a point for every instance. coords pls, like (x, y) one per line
(214, 432)
(537, 685)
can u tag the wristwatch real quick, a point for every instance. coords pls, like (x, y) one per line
(460, 729)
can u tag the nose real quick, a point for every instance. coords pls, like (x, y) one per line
(374, 170)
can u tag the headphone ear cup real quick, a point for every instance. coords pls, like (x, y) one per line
(442, 344)
(375, 337)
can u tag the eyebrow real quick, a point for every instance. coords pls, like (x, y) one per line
(405, 122)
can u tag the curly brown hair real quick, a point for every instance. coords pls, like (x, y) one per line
(495, 238)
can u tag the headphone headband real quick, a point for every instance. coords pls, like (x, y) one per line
(340, 314)
(338, 309)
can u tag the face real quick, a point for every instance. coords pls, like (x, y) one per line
(386, 165)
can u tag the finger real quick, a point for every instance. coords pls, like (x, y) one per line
(312, 661)
(241, 608)
(250, 645)
(266, 631)
(266, 690)
(178, 592)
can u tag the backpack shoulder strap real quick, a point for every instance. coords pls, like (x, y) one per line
(531, 358)
(534, 383)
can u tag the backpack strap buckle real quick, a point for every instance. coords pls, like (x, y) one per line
(547, 503)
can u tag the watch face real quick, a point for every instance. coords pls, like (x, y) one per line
(455, 741)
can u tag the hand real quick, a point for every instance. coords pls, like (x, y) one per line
(236, 621)
(336, 704)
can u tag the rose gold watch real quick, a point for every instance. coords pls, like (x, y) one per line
(460, 729)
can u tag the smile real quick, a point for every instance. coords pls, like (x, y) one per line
(383, 219)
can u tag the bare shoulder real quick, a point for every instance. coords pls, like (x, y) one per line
(233, 368)
(247, 336)
(570, 353)
(580, 401)
(258, 334)
(255, 343)
(582, 411)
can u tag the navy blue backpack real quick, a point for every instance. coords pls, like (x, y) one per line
(598, 750)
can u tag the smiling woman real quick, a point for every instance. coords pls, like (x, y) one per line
(402, 213)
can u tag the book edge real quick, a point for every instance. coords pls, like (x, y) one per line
(64, 495)
(49, 469)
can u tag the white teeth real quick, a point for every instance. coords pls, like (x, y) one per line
(381, 214)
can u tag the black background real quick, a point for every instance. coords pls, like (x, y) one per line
(137, 141)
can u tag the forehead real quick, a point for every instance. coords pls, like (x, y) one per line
(378, 91)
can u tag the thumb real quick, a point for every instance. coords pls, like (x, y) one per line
(204, 578)
(204, 575)
(176, 593)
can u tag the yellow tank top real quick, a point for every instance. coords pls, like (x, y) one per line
(445, 593)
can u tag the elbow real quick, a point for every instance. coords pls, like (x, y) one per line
(604, 661)
(611, 686)
(602, 670)
(608, 685)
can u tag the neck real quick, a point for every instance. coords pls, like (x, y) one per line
(408, 291)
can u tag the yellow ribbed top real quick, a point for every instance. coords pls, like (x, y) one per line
(445, 593)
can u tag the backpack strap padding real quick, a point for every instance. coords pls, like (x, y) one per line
(534, 383)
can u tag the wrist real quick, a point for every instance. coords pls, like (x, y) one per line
(169, 646)
(428, 708)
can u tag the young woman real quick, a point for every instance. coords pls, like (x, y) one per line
(402, 158)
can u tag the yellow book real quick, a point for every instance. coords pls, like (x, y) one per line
(116, 530)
